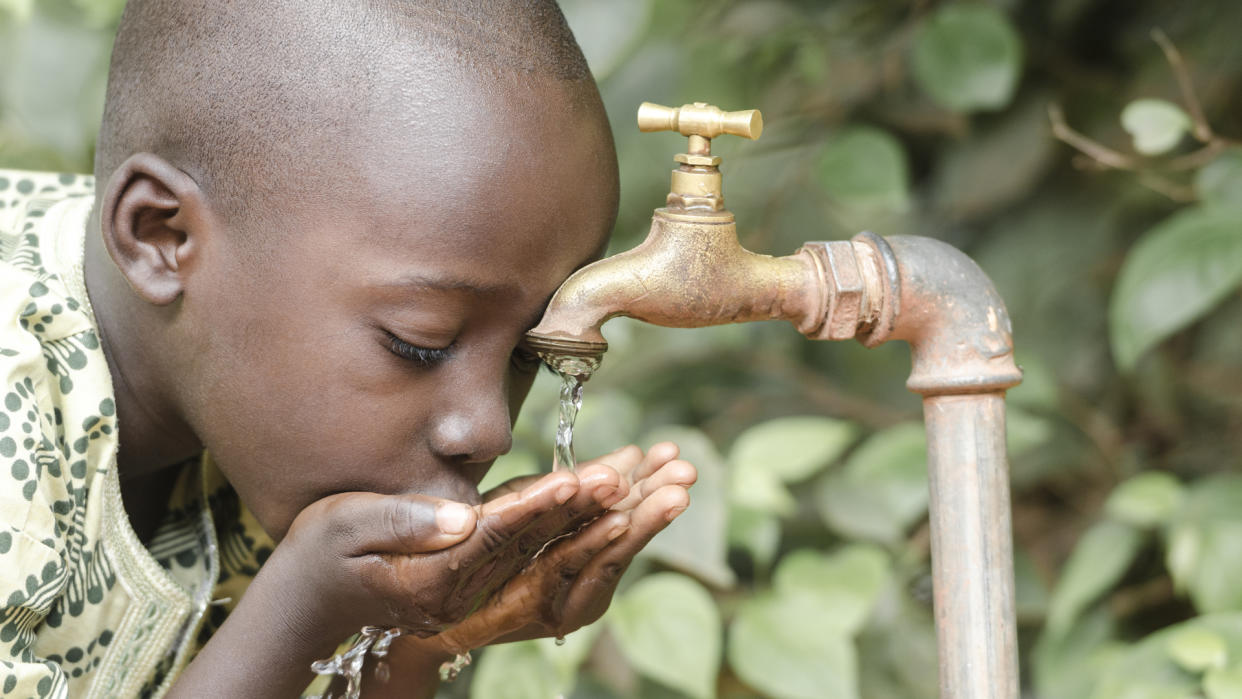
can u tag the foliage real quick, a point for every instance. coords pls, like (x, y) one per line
(802, 568)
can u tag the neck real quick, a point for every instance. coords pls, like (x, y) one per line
(155, 434)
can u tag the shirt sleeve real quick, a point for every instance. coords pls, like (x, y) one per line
(36, 508)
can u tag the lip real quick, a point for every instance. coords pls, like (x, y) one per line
(456, 486)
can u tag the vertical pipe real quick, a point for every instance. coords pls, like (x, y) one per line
(972, 551)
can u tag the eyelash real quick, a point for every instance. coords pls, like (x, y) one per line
(422, 356)
(428, 357)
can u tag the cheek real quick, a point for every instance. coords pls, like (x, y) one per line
(295, 406)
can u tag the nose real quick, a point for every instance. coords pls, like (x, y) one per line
(474, 427)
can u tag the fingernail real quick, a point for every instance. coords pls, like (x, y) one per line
(617, 531)
(607, 495)
(565, 492)
(452, 518)
(672, 514)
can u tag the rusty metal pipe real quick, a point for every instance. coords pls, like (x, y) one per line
(972, 555)
(961, 344)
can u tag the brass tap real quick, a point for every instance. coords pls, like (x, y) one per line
(691, 271)
(696, 183)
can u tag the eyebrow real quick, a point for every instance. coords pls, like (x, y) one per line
(423, 282)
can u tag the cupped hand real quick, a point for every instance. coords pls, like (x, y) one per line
(571, 583)
(424, 563)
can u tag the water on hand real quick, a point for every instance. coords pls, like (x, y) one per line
(574, 372)
(349, 664)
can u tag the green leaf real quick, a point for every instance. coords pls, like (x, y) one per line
(968, 57)
(1070, 664)
(1213, 584)
(1147, 671)
(1197, 649)
(778, 644)
(515, 671)
(882, 488)
(696, 542)
(1099, 560)
(101, 13)
(669, 628)
(845, 584)
(1219, 183)
(1025, 431)
(19, 9)
(865, 168)
(792, 448)
(1157, 126)
(1223, 683)
(758, 533)
(762, 491)
(1146, 500)
(1204, 546)
(1178, 271)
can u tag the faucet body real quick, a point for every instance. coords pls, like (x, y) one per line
(691, 271)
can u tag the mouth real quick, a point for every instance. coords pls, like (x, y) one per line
(457, 487)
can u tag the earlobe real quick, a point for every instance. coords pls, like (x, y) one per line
(152, 218)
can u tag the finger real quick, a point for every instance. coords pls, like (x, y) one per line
(657, 456)
(513, 485)
(599, 488)
(560, 566)
(675, 472)
(624, 460)
(590, 596)
(373, 523)
(539, 592)
(507, 516)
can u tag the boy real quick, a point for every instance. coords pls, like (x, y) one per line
(318, 233)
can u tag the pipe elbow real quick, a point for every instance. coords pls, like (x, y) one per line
(949, 312)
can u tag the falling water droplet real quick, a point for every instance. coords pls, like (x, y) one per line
(560, 640)
(372, 639)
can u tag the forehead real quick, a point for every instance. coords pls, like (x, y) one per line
(519, 173)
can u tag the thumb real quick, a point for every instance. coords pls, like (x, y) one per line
(405, 523)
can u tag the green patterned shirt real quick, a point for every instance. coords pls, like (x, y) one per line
(85, 609)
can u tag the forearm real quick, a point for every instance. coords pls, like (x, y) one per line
(266, 646)
(413, 671)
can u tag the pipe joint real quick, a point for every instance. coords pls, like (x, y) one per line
(947, 309)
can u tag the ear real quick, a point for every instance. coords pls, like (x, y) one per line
(153, 218)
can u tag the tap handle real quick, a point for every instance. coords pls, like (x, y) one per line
(700, 119)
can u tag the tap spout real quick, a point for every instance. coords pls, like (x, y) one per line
(691, 271)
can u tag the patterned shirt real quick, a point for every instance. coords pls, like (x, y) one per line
(85, 608)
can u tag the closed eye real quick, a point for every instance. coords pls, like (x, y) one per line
(421, 356)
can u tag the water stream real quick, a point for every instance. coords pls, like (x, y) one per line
(574, 372)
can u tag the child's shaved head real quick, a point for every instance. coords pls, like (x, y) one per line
(324, 228)
(245, 94)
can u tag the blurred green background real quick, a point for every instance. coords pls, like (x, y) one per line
(802, 568)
